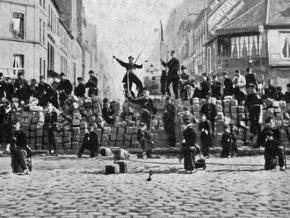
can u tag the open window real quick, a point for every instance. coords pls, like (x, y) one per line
(18, 63)
(17, 26)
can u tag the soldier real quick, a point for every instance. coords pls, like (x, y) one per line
(216, 88)
(253, 104)
(250, 77)
(42, 91)
(2, 87)
(204, 86)
(21, 89)
(9, 89)
(169, 121)
(33, 88)
(65, 89)
(228, 85)
(173, 77)
(239, 85)
(92, 83)
(279, 95)
(209, 110)
(287, 94)
(90, 143)
(80, 90)
(270, 138)
(271, 91)
(130, 77)
(50, 123)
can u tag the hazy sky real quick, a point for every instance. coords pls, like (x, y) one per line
(126, 27)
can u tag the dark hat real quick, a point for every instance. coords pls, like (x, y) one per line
(91, 72)
(80, 78)
(106, 100)
(204, 74)
(183, 67)
(172, 52)
(130, 57)
(237, 71)
(62, 74)
(214, 76)
(41, 77)
(268, 119)
(20, 74)
(1, 74)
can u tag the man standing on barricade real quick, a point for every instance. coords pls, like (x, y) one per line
(173, 77)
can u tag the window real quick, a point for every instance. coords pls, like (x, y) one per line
(44, 71)
(50, 61)
(18, 63)
(43, 34)
(44, 4)
(49, 15)
(40, 30)
(40, 3)
(286, 45)
(17, 25)
(40, 66)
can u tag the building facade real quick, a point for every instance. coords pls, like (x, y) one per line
(23, 38)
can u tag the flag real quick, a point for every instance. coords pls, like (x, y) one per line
(161, 32)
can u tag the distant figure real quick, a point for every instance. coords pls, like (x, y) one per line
(90, 143)
(42, 91)
(228, 85)
(108, 112)
(239, 84)
(205, 86)
(216, 88)
(65, 89)
(228, 142)
(169, 121)
(50, 123)
(250, 77)
(173, 77)
(92, 83)
(287, 94)
(21, 89)
(2, 86)
(80, 90)
(205, 135)
(189, 149)
(163, 80)
(9, 89)
(20, 152)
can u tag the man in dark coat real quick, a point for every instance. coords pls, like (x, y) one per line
(185, 83)
(205, 87)
(169, 121)
(65, 89)
(189, 149)
(2, 87)
(42, 91)
(279, 95)
(21, 89)
(130, 67)
(92, 83)
(20, 152)
(271, 91)
(108, 112)
(287, 94)
(205, 135)
(228, 85)
(228, 142)
(216, 88)
(270, 138)
(6, 122)
(173, 77)
(163, 80)
(9, 89)
(250, 77)
(50, 123)
(80, 90)
(90, 143)
(253, 104)
(33, 88)
(210, 112)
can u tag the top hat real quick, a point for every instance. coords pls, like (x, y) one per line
(131, 58)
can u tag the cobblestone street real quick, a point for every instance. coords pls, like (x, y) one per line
(67, 187)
